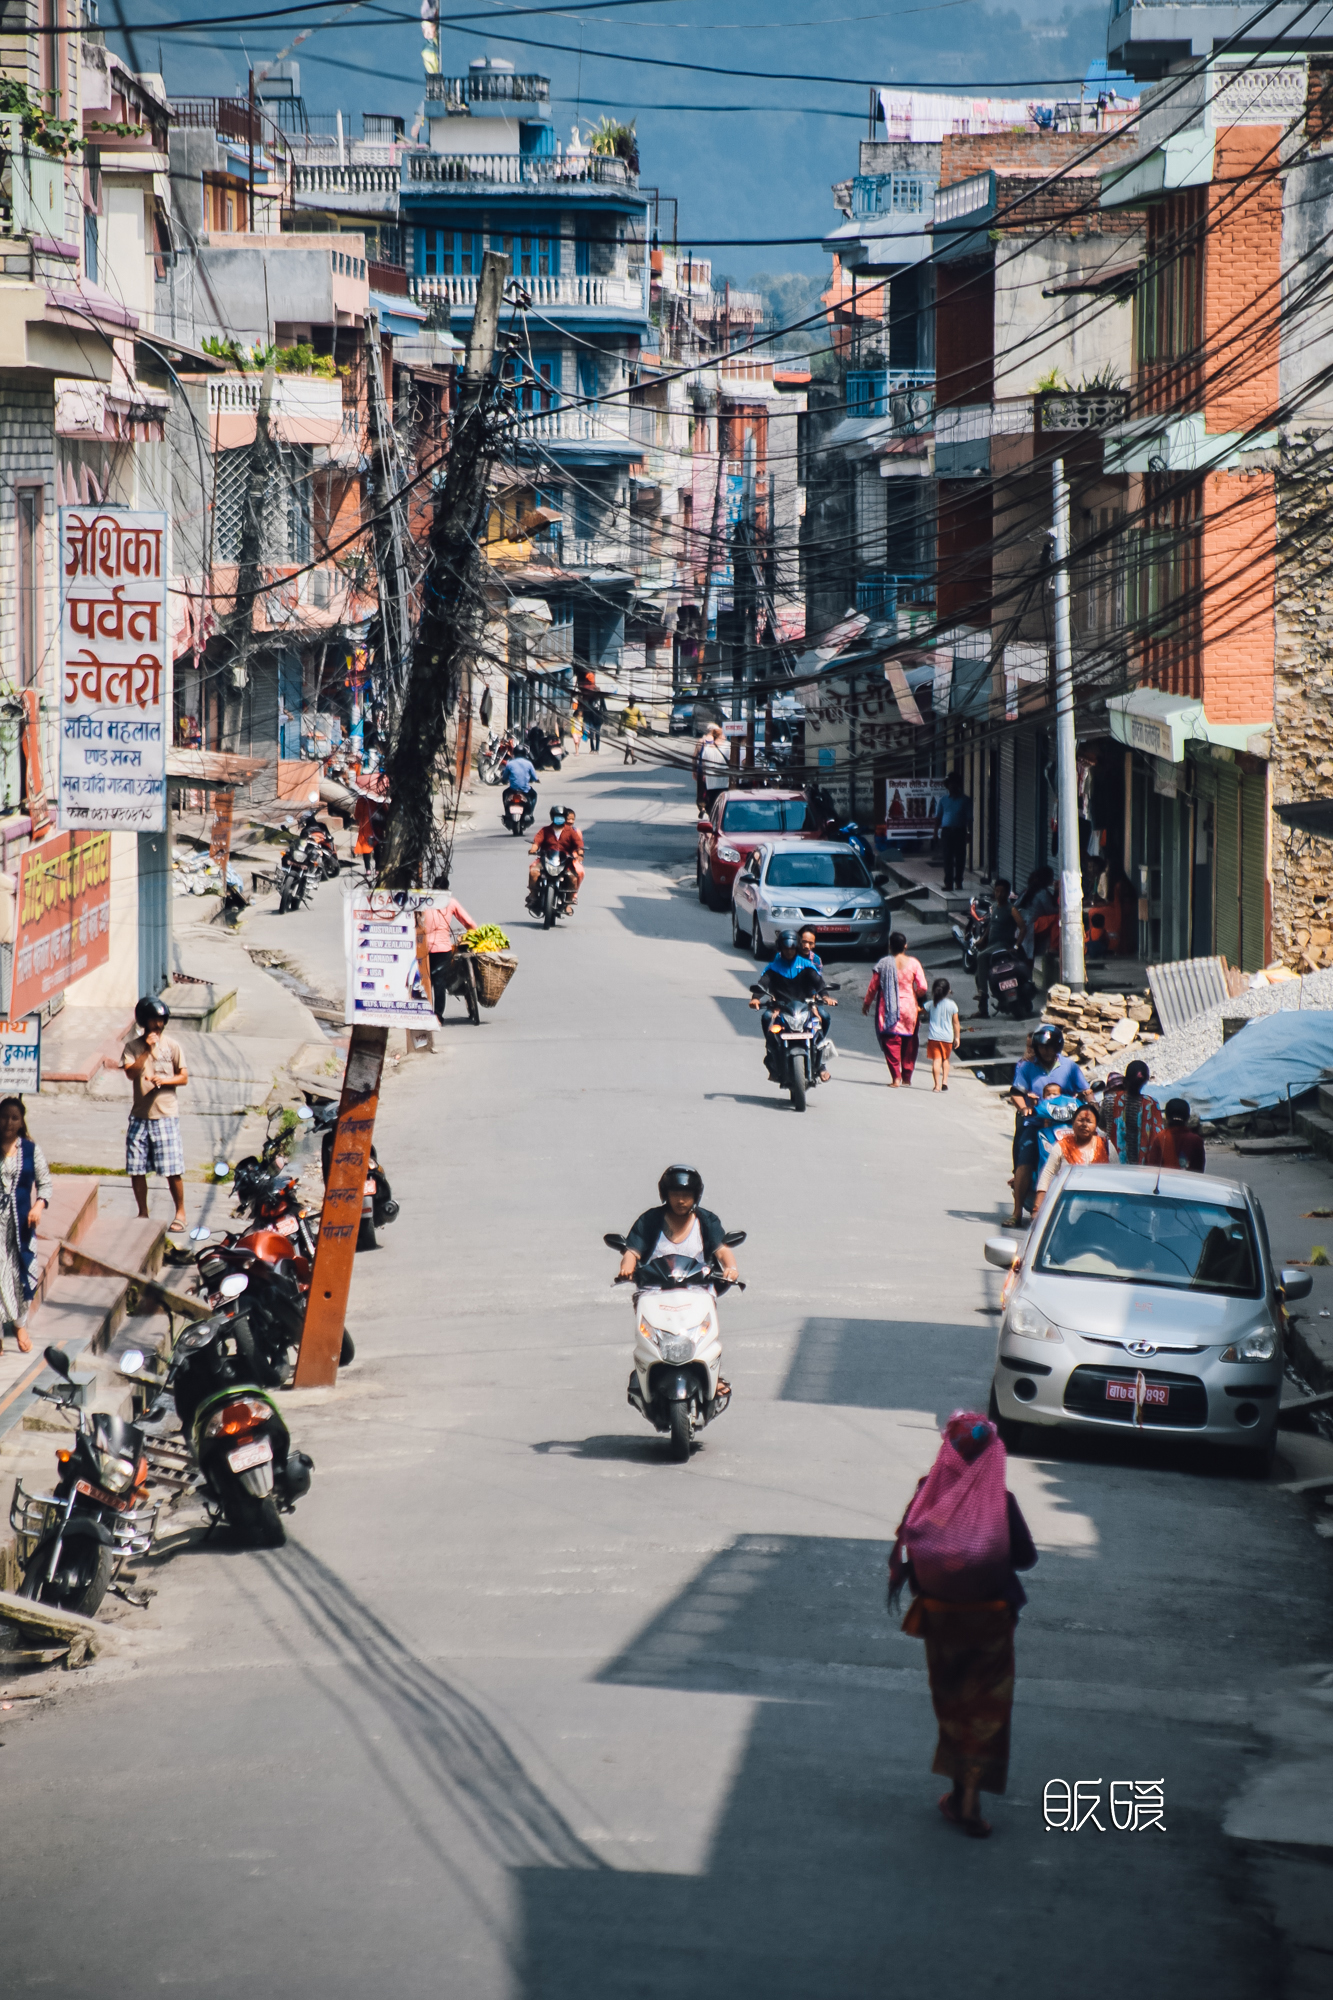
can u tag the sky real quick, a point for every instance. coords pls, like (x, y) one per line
(746, 158)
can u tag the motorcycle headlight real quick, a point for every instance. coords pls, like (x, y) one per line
(1024, 1320)
(115, 1473)
(725, 853)
(1261, 1345)
(650, 1333)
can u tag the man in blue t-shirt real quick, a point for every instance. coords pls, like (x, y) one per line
(1048, 1064)
(955, 820)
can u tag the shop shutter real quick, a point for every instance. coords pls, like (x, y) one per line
(1226, 866)
(1253, 830)
(1004, 802)
(1026, 807)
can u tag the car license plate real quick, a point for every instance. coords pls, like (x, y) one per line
(247, 1455)
(1155, 1393)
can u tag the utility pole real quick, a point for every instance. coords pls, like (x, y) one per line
(1072, 969)
(250, 132)
(451, 602)
(390, 539)
(249, 556)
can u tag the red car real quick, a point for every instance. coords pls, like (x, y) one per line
(738, 823)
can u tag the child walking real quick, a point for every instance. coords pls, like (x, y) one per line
(943, 1032)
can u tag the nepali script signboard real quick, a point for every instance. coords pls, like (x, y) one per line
(64, 916)
(115, 687)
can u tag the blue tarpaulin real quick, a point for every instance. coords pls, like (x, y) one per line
(1273, 1054)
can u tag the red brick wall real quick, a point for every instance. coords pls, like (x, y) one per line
(967, 153)
(1239, 527)
(1242, 272)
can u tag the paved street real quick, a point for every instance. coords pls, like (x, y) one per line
(524, 1712)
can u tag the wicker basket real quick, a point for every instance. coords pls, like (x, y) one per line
(494, 970)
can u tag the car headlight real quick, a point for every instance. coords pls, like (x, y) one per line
(864, 916)
(115, 1473)
(777, 911)
(1261, 1345)
(725, 853)
(1024, 1320)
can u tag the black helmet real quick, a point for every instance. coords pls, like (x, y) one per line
(1049, 1036)
(681, 1177)
(557, 815)
(152, 1013)
(785, 938)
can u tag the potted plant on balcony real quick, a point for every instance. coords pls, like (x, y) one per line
(611, 140)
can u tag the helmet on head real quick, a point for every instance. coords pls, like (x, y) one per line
(151, 1012)
(788, 941)
(1048, 1036)
(676, 1178)
(557, 815)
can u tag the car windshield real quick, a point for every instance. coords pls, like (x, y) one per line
(1148, 1239)
(763, 815)
(816, 871)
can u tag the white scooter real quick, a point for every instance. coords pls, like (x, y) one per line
(676, 1381)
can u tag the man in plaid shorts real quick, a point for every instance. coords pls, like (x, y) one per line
(155, 1065)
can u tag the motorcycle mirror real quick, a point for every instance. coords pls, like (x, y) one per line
(304, 1112)
(735, 1238)
(313, 798)
(221, 1169)
(57, 1361)
(131, 1361)
(234, 1284)
(614, 1242)
(200, 1235)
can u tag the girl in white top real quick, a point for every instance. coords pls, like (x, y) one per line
(943, 1033)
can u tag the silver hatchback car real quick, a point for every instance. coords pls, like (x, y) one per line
(1144, 1299)
(791, 884)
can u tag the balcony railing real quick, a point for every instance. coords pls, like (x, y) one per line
(487, 87)
(363, 187)
(390, 278)
(890, 194)
(1082, 409)
(965, 197)
(880, 593)
(577, 424)
(293, 395)
(565, 291)
(518, 169)
(905, 395)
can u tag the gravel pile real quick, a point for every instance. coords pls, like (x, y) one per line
(1180, 1053)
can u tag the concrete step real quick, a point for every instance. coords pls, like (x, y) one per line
(1325, 1103)
(1317, 1128)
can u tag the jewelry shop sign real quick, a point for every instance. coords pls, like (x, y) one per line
(115, 684)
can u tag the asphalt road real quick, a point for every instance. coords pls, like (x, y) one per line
(524, 1710)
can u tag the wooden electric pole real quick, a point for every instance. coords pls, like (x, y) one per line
(451, 606)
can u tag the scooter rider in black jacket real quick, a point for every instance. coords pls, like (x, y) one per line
(788, 976)
(679, 1227)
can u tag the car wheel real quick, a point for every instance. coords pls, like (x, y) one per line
(757, 940)
(1012, 1435)
(737, 934)
(1258, 1464)
(699, 881)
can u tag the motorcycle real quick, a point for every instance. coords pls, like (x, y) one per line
(797, 1027)
(218, 1386)
(676, 1381)
(378, 1207)
(857, 841)
(295, 872)
(493, 758)
(544, 749)
(550, 897)
(971, 935)
(1010, 984)
(72, 1542)
(519, 809)
(320, 852)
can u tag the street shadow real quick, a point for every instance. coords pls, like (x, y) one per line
(862, 1363)
(738, 1097)
(632, 1450)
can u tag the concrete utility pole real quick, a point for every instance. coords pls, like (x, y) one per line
(451, 603)
(1072, 968)
(390, 531)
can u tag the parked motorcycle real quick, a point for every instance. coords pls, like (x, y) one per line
(297, 869)
(72, 1542)
(378, 1207)
(219, 1384)
(311, 834)
(971, 934)
(1010, 983)
(518, 809)
(493, 758)
(552, 894)
(798, 1029)
(676, 1382)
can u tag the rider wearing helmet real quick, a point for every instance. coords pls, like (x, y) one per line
(1048, 1064)
(155, 1066)
(679, 1228)
(789, 976)
(561, 837)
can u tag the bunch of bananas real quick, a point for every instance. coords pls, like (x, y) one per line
(486, 937)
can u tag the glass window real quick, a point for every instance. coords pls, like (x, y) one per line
(816, 871)
(1147, 1239)
(763, 815)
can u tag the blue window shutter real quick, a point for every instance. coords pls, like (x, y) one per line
(589, 384)
(581, 257)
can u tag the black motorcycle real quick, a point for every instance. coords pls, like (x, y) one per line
(795, 1051)
(378, 1207)
(297, 871)
(552, 894)
(72, 1542)
(1010, 984)
(518, 809)
(320, 853)
(971, 935)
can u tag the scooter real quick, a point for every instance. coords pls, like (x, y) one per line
(799, 1030)
(492, 760)
(1010, 983)
(972, 934)
(550, 896)
(676, 1382)
(519, 809)
(72, 1542)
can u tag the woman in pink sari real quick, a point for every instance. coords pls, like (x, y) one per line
(960, 1546)
(897, 988)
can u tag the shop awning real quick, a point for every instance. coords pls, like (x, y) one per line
(209, 770)
(1162, 724)
(1308, 816)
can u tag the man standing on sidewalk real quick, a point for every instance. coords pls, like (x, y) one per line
(955, 827)
(713, 765)
(155, 1066)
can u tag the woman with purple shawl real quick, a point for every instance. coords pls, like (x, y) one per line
(897, 988)
(959, 1547)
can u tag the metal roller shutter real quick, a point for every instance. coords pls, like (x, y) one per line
(1226, 866)
(1004, 816)
(1253, 844)
(1025, 809)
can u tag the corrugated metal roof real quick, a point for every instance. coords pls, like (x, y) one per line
(1185, 988)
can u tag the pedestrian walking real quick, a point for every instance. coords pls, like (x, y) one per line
(714, 764)
(1132, 1121)
(897, 988)
(594, 715)
(438, 923)
(1177, 1146)
(575, 726)
(955, 823)
(943, 1032)
(155, 1065)
(1079, 1145)
(25, 1188)
(959, 1548)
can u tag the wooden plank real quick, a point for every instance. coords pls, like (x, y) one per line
(84, 1637)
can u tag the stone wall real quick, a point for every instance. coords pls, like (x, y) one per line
(1302, 764)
